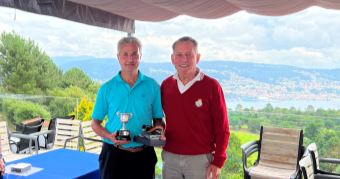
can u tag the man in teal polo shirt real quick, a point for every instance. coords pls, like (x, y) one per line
(128, 92)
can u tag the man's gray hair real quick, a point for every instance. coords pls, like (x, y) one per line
(184, 39)
(129, 40)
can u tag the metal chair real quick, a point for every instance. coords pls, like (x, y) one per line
(316, 160)
(279, 151)
(22, 145)
(308, 172)
(5, 147)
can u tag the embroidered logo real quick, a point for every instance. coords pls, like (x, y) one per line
(199, 103)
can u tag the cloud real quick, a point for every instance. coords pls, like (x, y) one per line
(306, 39)
(300, 39)
(60, 37)
(4, 27)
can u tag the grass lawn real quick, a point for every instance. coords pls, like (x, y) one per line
(246, 136)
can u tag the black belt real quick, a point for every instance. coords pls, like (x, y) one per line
(131, 149)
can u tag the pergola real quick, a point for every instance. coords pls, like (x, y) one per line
(122, 14)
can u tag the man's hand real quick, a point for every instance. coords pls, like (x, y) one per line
(158, 127)
(102, 132)
(213, 172)
(162, 137)
(2, 166)
(159, 123)
(112, 137)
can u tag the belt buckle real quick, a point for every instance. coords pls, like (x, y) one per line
(132, 149)
(135, 149)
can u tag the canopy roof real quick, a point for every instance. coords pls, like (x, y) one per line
(121, 14)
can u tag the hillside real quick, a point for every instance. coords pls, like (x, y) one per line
(240, 80)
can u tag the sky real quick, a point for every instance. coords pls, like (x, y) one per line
(307, 39)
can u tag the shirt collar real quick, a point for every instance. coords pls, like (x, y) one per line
(140, 78)
(183, 88)
(198, 77)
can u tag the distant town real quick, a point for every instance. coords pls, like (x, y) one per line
(315, 89)
(239, 80)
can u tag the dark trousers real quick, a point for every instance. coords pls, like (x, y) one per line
(115, 163)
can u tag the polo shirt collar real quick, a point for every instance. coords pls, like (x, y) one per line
(140, 78)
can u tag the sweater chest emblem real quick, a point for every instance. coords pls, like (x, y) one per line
(199, 103)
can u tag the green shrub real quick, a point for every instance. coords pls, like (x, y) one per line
(17, 111)
(60, 107)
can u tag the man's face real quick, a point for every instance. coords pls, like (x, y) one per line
(185, 58)
(129, 57)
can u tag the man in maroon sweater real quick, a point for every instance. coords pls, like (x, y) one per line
(197, 129)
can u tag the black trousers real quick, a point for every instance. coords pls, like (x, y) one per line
(115, 163)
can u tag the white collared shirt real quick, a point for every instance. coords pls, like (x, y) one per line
(181, 87)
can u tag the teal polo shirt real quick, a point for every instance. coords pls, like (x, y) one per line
(143, 101)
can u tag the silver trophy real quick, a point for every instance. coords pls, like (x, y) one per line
(123, 133)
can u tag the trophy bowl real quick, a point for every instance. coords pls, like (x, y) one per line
(123, 133)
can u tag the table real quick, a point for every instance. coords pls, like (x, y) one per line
(61, 164)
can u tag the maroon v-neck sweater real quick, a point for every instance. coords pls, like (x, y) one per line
(196, 121)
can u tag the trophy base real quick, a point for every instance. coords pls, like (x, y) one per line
(123, 135)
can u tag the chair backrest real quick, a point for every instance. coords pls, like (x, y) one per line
(90, 145)
(4, 141)
(312, 149)
(65, 129)
(52, 126)
(280, 147)
(33, 127)
(30, 122)
(29, 128)
(306, 166)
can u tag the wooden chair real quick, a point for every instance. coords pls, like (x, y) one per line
(316, 160)
(92, 142)
(46, 140)
(279, 151)
(66, 133)
(307, 168)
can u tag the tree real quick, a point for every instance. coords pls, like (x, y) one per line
(76, 77)
(254, 125)
(268, 108)
(313, 129)
(310, 109)
(65, 100)
(84, 109)
(24, 67)
(239, 108)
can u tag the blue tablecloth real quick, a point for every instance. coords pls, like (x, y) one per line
(62, 164)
